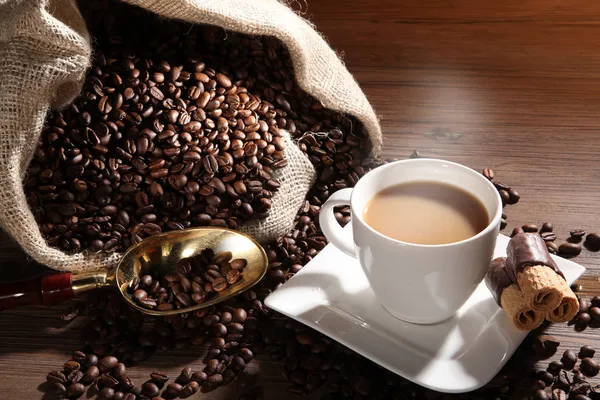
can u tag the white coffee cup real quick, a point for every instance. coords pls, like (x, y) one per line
(416, 283)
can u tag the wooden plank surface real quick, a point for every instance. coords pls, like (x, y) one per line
(513, 85)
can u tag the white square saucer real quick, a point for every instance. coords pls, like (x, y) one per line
(331, 294)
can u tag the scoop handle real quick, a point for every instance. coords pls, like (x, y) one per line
(47, 290)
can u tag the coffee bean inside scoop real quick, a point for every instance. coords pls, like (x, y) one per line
(196, 280)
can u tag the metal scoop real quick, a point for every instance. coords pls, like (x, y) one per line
(157, 255)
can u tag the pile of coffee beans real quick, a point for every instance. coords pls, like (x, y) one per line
(196, 280)
(177, 126)
(151, 145)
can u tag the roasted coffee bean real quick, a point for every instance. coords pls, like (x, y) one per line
(159, 378)
(57, 388)
(56, 377)
(589, 367)
(545, 345)
(541, 395)
(569, 359)
(71, 366)
(172, 390)
(548, 236)
(150, 389)
(106, 393)
(185, 376)
(487, 172)
(569, 249)
(592, 241)
(586, 351)
(555, 367)
(189, 389)
(577, 234)
(559, 394)
(107, 363)
(90, 375)
(530, 228)
(75, 391)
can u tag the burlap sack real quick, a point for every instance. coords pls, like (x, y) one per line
(45, 51)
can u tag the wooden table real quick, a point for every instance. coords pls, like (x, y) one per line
(512, 85)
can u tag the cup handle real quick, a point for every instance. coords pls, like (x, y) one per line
(340, 237)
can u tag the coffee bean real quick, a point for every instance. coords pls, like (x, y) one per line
(239, 315)
(189, 389)
(199, 377)
(586, 351)
(487, 172)
(569, 249)
(548, 236)
(545, 345)
(106, 393)
(185, 376)
(75, 390)
(541, 395)
(71, 366)
(530, 228)
(150, 389)
(555, 367)
(107, 380)
(90, 375)
(58, 389)
(577, 234)
(592, 242)
(56, 377)
(558, 394)
(107, 363)
(569, 359)
(172, 390)
(589, 367)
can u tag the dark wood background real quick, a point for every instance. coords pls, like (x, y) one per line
(511, 85)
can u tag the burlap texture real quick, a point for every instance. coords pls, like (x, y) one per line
(45, 51)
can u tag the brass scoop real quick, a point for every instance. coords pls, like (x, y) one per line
(159, 254)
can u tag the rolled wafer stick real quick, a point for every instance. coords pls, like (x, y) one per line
(568, 307)
(532, 268)
(509, 297)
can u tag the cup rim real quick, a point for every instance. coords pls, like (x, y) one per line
(489, 228)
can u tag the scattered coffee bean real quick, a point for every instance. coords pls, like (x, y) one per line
(589, 367)
(569, 359)
(488, 173)
(555, 367)
(75, 391)
(592, 242)
(569, 249)
(586, 351)
(548, 236)
(532, 228)
(546, 227)
(577, 234)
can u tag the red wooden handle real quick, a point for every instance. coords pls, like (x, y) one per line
(48, 290)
